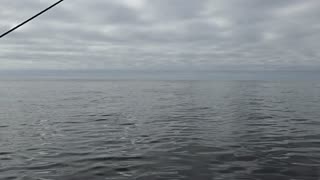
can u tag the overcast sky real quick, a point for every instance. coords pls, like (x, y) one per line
(162, 34)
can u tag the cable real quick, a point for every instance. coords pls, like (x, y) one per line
(21, 24)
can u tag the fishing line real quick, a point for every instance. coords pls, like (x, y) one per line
(33, 17)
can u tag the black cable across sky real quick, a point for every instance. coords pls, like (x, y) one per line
(21, 24)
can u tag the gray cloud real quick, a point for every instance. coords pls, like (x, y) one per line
(161, 34)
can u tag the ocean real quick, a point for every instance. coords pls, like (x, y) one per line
(159, 129)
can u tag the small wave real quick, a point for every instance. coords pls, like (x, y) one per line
(101, 119)
(112, 158)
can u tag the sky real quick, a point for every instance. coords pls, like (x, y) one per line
(177, 35)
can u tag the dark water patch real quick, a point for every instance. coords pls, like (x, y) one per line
(299, 120)
(6, 158)
(9, 177)
(99, 168)
(246, 158)
(46, 166)
(108, 115)
(127, 124)
(260, 124)
(257, 117)
(72, 122)
(122, 169)
(67, 154)
(302, 172)
(102, 119)
(232, 169)
(114, 158)
(268, 170)
(223, 157)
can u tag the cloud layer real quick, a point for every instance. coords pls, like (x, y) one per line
(162, 34)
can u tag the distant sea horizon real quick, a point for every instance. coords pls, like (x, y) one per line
(265, 75)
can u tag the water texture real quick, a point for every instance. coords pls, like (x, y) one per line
(150, 130)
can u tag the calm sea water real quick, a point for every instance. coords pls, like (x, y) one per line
(146, 130)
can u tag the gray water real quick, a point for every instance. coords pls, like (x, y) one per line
(146, 130)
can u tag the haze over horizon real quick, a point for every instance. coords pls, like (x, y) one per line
(175, 35)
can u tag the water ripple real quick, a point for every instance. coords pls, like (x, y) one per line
(160, 130)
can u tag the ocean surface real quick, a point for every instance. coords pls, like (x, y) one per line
(156, 130)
